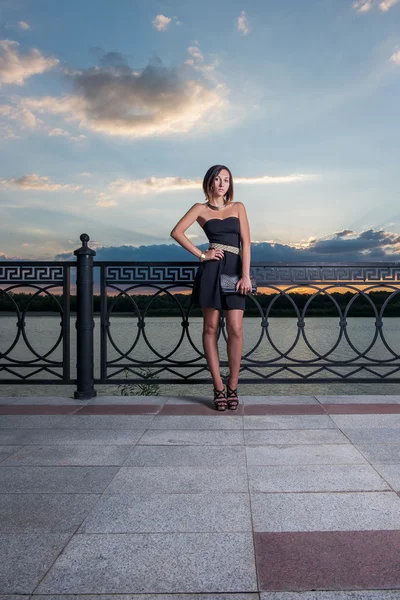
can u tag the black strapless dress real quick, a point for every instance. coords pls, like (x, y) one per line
(206, 288)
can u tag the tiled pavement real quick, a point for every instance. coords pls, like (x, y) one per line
(138, 498)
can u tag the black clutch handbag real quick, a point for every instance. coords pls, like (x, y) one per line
(228, 284)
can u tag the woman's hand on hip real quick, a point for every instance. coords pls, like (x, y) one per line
(214, 254)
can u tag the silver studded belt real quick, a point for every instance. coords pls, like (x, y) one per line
(215, 245)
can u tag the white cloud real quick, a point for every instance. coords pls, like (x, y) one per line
(396, 57)
(24, 118)
(274, 179)
(113, 99)
(195, 52)
(15, 67)
(7, 132)
(160, 185)
(23, 25)
(37, 182)
(161, 22)
(57, 131)
(153, 185)
(363, 6)
(106, 202)
(386, 5)
(243, 24)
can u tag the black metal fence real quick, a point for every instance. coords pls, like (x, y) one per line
(291, 343)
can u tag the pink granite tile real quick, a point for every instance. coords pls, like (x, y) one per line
(197, 409)
(362, 409)
(328, 560)
(284, 409)
(119, 409)
(37, 409)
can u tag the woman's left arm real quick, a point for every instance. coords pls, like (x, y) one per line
(244, 285)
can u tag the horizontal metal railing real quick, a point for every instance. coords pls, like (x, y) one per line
(296, 288)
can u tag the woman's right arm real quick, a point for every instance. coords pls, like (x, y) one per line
(178, 232)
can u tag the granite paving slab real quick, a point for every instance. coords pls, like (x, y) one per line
(287, 409)
(219, 422)
(390, 473)
(125, 409)
(366, 421)
(70, 436)
(163, 513)
(53, 480)
(97, 422)
(153, 563)
(6, 451)
(128, 400)
(54, 400)
(317, 454)
(30, 421)
(194, 456)
(188, 400)
(192, 438)
(68, 454)
(393, 398)
(294, 436)
(361, 409)
(323, 595)
(279, 399)
(25, 559)
(47, 513)
(288, 422)
(373, 435)
(315, 478)
(178, 480)
(251, 596)
(14, 437)
(39, 409)
(199, 410)
(329, 560)
(326, 511)
(357, 398)
(381, 453)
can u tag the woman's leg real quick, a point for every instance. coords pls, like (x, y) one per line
(210, 344)
(234, 328)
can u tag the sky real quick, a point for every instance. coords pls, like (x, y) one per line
(112, 112)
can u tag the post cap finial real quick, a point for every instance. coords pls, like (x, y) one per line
(84, 249)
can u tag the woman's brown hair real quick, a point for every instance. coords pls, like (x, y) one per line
(209, 179)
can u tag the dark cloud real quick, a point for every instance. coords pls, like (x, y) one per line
(343, 233)
(359, 246)
(366, 246)
(116, 99)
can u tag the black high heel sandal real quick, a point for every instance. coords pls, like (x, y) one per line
(231, 398)
(220, 402)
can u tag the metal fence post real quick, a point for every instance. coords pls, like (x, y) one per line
(84, 321)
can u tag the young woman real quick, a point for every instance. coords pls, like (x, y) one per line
(225, 224)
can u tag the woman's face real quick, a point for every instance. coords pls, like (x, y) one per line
(221, 183)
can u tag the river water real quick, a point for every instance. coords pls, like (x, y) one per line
(164, 333)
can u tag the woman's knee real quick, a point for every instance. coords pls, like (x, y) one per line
(210, 328)
(234, 331)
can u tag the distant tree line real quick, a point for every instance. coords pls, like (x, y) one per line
(165, 305)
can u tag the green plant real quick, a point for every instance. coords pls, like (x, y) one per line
(140, 389)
